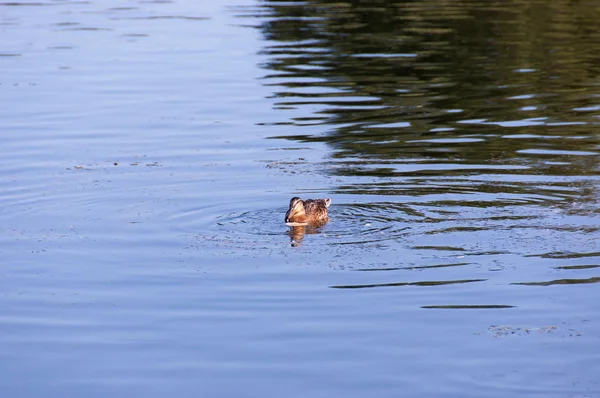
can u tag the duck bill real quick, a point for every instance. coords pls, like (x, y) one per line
(287, 215)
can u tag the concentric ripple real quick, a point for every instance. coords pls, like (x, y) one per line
(350, 224)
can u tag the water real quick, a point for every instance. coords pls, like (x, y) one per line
(149, 151)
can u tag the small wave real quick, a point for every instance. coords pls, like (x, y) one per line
(349, 225)
(560, 282)
(396, 284)
(468, 306)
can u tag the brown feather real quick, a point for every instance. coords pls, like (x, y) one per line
(310, 211)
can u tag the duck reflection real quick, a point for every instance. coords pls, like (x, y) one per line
(297, 232)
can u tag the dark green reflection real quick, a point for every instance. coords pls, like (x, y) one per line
(426, 88)
(560, 282)
(412, 268)
(394, 284)
(570, 267)
(565, 255)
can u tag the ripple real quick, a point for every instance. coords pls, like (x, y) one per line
(565, 255)
(88, 29)
(167, 17)
(570, 267)
(588, 108)
(374, 55)
(499, 331)
(391, 125)
(468, 306)
(448, 140)
(560, 282)
(350, 224)
(13, 4)
(414, 267)
(556, 152)
(442, 248)
(395, 284)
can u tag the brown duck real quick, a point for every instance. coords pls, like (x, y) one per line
(309, 211)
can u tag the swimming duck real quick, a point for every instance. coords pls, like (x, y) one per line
(309, 211)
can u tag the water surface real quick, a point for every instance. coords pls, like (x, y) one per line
(150, 148)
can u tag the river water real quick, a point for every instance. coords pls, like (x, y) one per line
(150, 148)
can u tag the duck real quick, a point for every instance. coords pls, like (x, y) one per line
(308, 211)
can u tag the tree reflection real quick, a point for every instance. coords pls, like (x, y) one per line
(389, 79)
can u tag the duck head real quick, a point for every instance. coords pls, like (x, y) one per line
(296, 212)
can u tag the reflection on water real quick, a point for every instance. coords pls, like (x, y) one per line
(424, 283)
(561, 282)
(297, 232)
(440, 91)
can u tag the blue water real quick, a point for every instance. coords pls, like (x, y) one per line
(149, 151)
